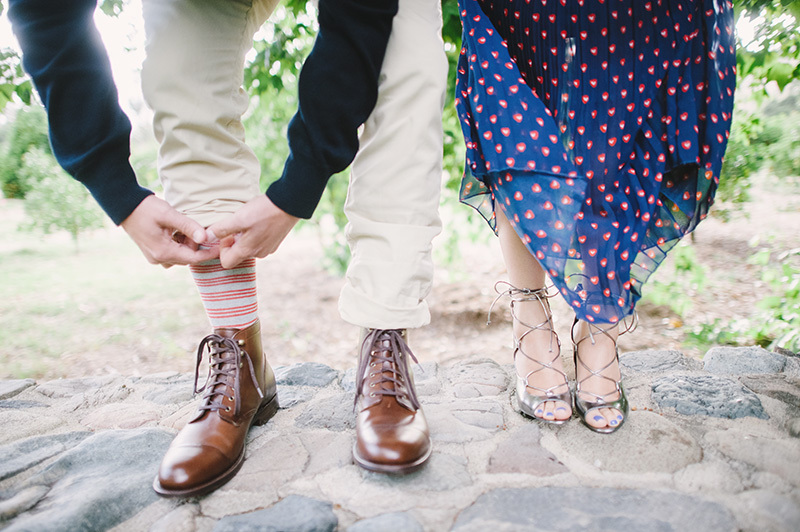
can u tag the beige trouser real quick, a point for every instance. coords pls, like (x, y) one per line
(192, 79)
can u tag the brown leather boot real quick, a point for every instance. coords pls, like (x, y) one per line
(240, 391)
(391, 431)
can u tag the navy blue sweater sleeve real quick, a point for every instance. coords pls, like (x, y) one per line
(338, 89)
(89, 133)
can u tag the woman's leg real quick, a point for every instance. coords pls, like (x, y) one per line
(541, 345)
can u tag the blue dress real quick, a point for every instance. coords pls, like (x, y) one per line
(598, 127)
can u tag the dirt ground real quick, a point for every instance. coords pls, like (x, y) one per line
(300, 321)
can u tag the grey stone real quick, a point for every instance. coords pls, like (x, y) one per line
(21, 501)
(24, 454)
(174, 389)
(394, 522)
(657, 361)
(289, 396)
(97, 484)
(19, 404)
(775, 386)
(781, 512)
(648, 443)
(521, 453)
(349, 380)
(577, 509)
(305, 374)
(10, 388)
(68, 387)
(708, 395)
(463, 421)
(443, 472)
(327, 450)
(478, 379)
(780, 457)
(742, 361)
(330, 412)
(793, 426)
(295, 513)
(181, 519)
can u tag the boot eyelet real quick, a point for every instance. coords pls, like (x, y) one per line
(227, 409)
(372, 385)
(241, 343)
(372, 395)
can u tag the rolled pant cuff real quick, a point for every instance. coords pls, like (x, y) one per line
(358, 309)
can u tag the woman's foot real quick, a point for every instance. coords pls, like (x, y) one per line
(542, 386)
(599, 394)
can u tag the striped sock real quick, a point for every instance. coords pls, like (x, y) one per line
(229, 296)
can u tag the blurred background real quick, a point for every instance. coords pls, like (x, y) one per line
(77, 297)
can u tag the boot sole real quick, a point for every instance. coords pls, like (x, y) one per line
(264, 414)
(392, 469)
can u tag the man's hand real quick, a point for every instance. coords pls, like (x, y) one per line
(154, 224)
(255, 230)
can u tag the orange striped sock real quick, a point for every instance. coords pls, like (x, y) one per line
(229, 296)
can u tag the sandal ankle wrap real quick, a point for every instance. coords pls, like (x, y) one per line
(528, 402)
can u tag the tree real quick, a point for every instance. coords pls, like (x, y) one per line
(56, 202)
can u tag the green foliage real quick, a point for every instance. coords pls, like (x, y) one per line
(778, 322)
(27, 131)
(774, 54)
(56, 202)
(685, 281)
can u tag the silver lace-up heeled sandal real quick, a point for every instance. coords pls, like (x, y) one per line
(530, 403)
(614, 399)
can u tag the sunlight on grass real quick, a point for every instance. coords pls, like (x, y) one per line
(60, 308)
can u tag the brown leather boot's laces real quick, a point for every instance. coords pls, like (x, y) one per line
(225, 362)
(396, 375)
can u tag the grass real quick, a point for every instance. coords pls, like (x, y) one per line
(58, 307)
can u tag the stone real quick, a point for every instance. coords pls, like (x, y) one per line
(174, 389)
(768, 511)
(793, 427)
(521, 453)
(708, 395)
(10, 388)
(463, 421)
(779, 457)
(647, 443)
(577, 509)
(477, 379)
(97, 484)
(24, 454)
(394, 522)
(289, 396)
(657, 361)
(775, 386)
(330, 412)
(295, 513)
(22, 501)
(17, 404)
(62, 388)
(181, 519)
(19, 424)
(327, 450)
(709, 477)
(742, 361)
(443, 472)
(122, 416)
(305, 374)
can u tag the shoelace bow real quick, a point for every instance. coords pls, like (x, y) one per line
(223, 351)
(398, 368)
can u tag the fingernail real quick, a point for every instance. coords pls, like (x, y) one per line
(211, 236)
(199, 236)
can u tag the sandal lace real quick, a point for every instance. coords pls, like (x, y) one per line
(628, 327)
(396, 375)
(540, 295)
(225, 362)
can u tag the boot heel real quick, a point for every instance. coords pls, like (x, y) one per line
(266, 411)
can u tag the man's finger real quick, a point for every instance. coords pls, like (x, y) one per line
(187, 226)
(224, 229)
